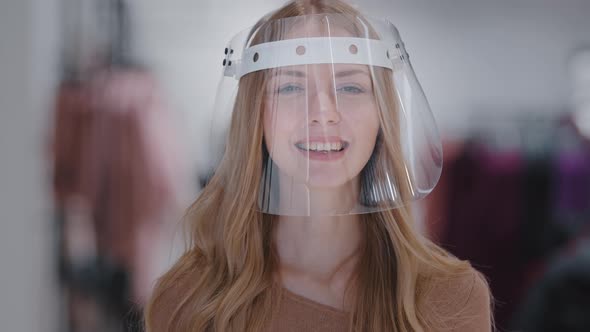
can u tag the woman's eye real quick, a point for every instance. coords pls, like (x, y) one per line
(289, 89)
(350, 89)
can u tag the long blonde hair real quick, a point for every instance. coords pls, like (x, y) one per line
(223, 282)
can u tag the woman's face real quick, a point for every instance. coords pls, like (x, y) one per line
(320, 122)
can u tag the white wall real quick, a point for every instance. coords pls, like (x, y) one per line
(28, 297)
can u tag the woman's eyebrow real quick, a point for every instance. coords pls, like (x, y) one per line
(350, 72)
(298, 73)
(295, 73)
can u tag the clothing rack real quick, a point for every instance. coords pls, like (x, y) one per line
(514, 192)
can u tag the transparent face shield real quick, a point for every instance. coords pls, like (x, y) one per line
(344, 125)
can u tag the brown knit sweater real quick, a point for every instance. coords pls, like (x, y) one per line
(464, 302)
(297, 313)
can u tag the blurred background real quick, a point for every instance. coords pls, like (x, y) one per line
(104, 124)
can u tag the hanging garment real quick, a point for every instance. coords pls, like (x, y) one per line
(484, 216)
(560, 299)
(436, 204)
(115, 149)
(572, 201)
(131, 169)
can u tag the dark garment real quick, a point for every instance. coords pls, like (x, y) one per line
(572, 201)
(560, 299)
(485, 210)
(539, 231)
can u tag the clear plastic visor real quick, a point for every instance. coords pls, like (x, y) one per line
(345, 125)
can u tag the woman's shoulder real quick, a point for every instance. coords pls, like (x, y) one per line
(464, 298)
(469, 284)
(169, 293)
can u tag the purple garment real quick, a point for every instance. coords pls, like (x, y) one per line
(572, 200)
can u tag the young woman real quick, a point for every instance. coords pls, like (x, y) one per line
(306, 224)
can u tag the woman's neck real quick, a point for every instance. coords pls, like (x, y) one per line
(323, 249)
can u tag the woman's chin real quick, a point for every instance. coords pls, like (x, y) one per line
(322, 182)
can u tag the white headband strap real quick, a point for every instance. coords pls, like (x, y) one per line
(315, 50)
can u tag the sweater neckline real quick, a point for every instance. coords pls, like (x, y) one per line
(309, 302)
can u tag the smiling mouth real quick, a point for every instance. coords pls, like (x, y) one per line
(322, 147)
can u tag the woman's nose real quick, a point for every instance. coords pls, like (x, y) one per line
(322, 109)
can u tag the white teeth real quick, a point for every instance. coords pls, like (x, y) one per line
(325, 147)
